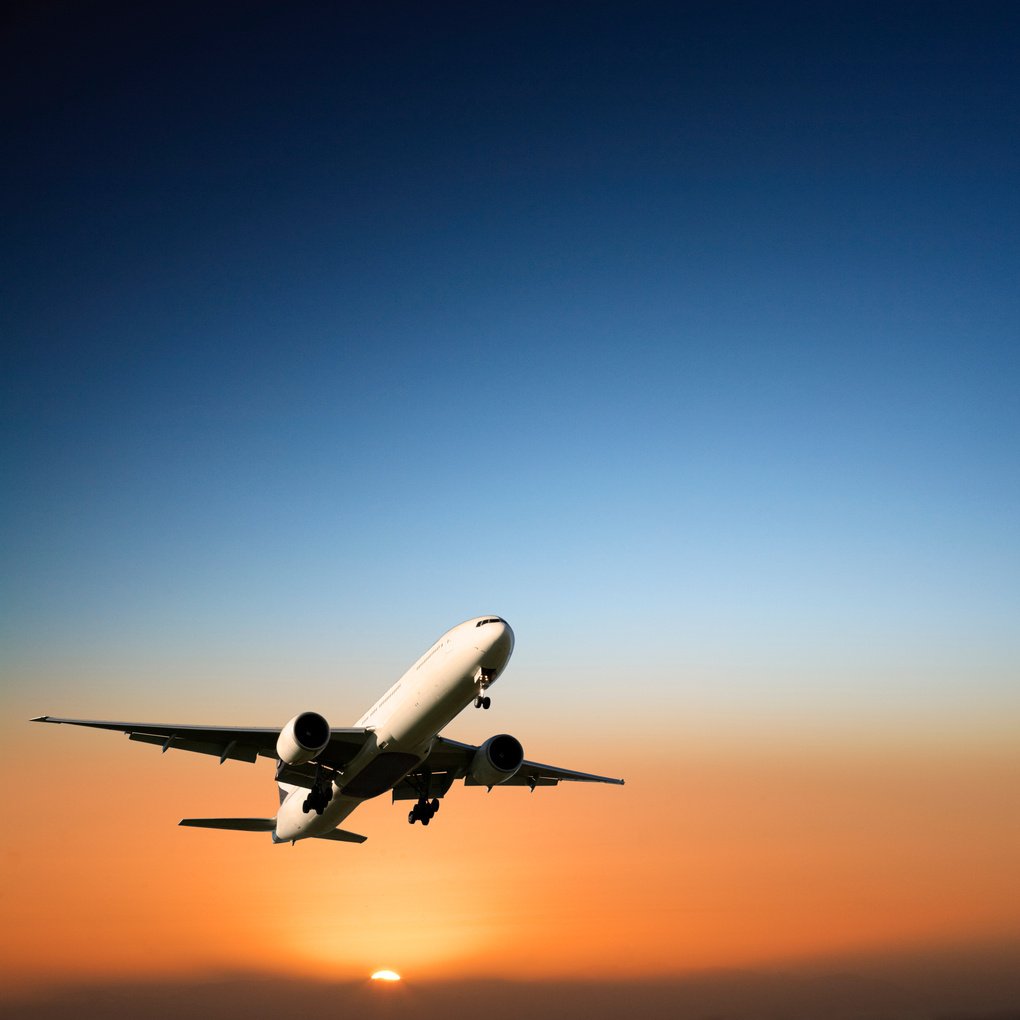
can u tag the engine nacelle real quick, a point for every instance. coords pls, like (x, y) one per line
(305, 737)
(496, 761)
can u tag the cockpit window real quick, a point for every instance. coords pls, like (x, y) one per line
(491, 619)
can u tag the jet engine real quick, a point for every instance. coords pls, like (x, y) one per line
(302, 739)
(496, 761)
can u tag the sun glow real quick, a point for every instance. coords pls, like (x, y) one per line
(385, 975)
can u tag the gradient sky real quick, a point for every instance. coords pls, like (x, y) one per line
(686, 337)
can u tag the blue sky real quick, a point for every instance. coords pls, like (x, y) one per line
(686, 339)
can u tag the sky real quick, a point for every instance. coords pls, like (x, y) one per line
(686, 337)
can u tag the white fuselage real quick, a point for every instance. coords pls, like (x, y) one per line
(405, 721)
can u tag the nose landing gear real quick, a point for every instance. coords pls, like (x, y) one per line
(483, 678)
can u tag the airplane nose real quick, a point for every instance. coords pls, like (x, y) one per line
(504, 644)
(500, 640)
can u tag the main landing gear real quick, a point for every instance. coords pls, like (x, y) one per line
(321, 792)
(483, 702)
(424, 811)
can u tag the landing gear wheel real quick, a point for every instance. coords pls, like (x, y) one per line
(424, 811)
(306, 806)
(486, 701)
(478, 701)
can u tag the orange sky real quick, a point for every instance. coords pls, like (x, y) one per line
(706, 858)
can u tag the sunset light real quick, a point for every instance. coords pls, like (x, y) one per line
(350, 348)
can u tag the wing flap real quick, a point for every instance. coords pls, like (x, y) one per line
(453, 756)
(296, 775)
(518, 780)
(543, 773)
(233, 750)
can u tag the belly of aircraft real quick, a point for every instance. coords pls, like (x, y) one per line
(380, 774)
(420, 718)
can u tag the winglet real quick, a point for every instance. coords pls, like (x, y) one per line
(40, 718)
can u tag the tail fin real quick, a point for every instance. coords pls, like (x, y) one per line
(243, 824)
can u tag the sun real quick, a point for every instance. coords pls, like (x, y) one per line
(385, 975)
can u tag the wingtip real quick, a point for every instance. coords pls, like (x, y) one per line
(40, 718)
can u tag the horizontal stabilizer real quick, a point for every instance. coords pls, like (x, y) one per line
(343, 836)
(242, 824)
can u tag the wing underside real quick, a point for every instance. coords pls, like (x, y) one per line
(228, 743)
(450, 760)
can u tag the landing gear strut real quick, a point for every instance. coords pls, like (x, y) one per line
(423, 811)
(321, 792)
(483, 678)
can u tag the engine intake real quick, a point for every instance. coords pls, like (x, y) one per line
(496, 761)
(305, 737)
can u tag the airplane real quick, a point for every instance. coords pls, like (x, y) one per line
(324, 774)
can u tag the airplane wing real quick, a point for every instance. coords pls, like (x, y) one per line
(237, 743)
(450, 761)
